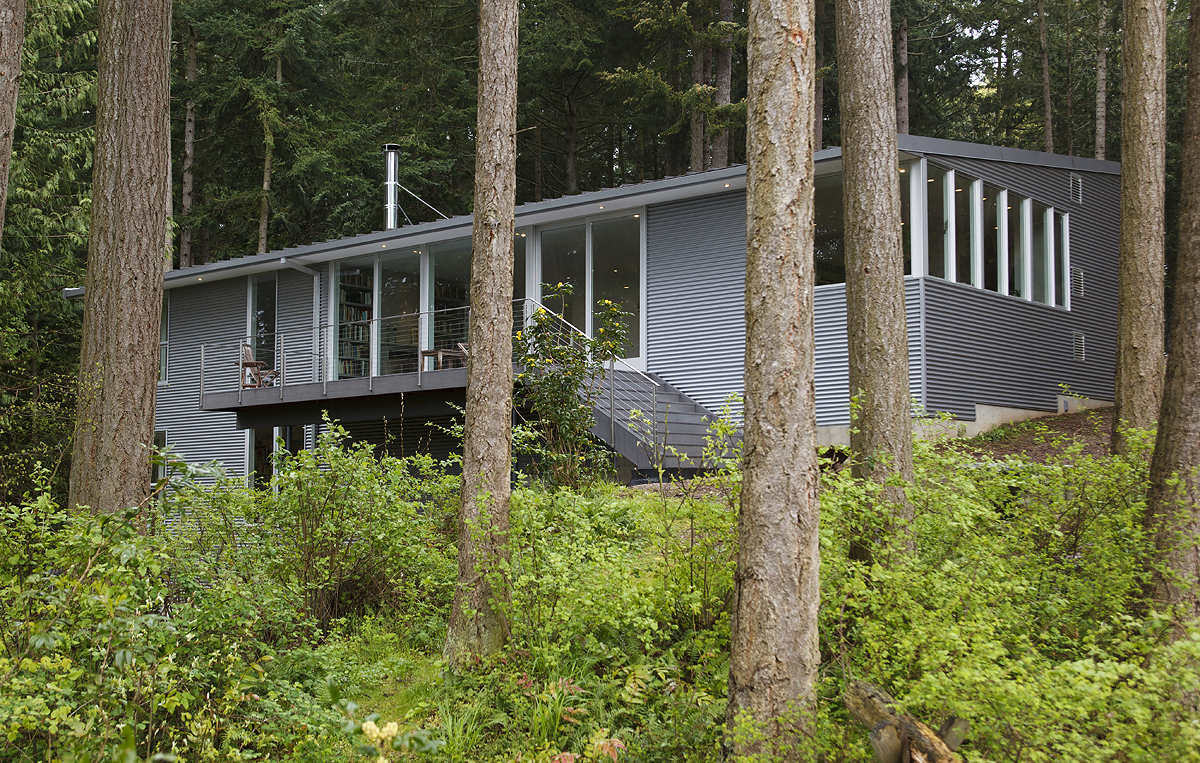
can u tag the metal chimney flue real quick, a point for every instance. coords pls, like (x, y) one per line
(391, 185)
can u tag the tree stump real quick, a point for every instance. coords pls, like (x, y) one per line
(899, 738)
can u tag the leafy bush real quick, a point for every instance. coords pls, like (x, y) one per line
(562, 375)
(100, 658)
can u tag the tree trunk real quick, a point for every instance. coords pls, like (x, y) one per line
(571, 151)
(1102, 80)
(876, 327)
(697, 117)
(118, 377)
(1047, 121)
(12, 37)
(537, 163)
(1140, 278)
(720, 143)
(1173, 508)
(819, 88)
(477, 625)
(902, 77)
(1070, 92)
(264, 208)
(773, 647)
(189, 154)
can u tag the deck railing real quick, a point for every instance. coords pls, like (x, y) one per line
(413, 343)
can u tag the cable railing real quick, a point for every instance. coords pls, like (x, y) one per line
(412, 343)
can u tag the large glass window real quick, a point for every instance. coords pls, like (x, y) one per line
(1040, 255)
(450, 290)
(617, 271)
(905, 211)
(939, 222)
(262, 318)
(964, 218)
(163, 334)
(399, 308)
(1016, 245)
(1061, 260)
(564, 261)
(993, 215)
(519, 266)
(829, 230)
(356, 286)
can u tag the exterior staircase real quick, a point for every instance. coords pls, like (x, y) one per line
(674, 436)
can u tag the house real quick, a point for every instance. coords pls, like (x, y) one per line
(1010, 287)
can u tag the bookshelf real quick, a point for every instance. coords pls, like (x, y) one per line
(355, 292)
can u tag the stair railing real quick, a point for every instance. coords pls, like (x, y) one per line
(629, 390)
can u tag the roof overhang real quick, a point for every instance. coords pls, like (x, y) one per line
(711, 182)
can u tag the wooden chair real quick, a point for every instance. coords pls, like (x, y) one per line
(254, 372)
(442, 355)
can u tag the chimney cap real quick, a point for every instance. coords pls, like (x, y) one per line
(391, 146)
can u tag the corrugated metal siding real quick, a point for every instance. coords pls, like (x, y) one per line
(203, 314)
(833, 355)
(996, 350)
(406, 437)
(913, 307)
(695, 277)
(695, 280)
(294, 321)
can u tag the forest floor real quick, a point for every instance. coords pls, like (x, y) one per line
(1039, 439)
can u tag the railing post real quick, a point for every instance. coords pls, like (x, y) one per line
(282, 367)
(612, 405)
(240, 373)
(654, 406)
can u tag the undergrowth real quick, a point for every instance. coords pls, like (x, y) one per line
(266, 624)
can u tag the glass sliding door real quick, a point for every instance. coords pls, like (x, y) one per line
(399, 308)
(564, 261)
(262, 318)
(617, 272)
(449, 293)
(355, 297)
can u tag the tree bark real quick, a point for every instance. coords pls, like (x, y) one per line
(12, 37)
(773, 648)
(902, 77)
(189, 154)
(697, 117)
(1070, 91)
(720, 143)
(1047, 121)
(118, 377)
(876, 327)
(477, 625)
(1173, 508)
(264, 209)
(571, 150)
(1139, 379)
(1102, 81)
(819, 79)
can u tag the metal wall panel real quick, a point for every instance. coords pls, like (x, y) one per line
(695, 277)
(294, 322)
(695, 280)
(409, 436)
(212, 314)
(997, 350)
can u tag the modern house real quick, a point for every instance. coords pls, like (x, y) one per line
(1011, 293)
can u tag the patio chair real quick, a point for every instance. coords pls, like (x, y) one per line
(254, 372)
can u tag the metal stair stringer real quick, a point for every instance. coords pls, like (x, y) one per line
(677, 434)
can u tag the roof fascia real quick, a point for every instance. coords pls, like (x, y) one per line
(941, 147)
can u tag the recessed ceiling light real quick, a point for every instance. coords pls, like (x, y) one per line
(903, 170)
(727, 185)
(602, 206)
